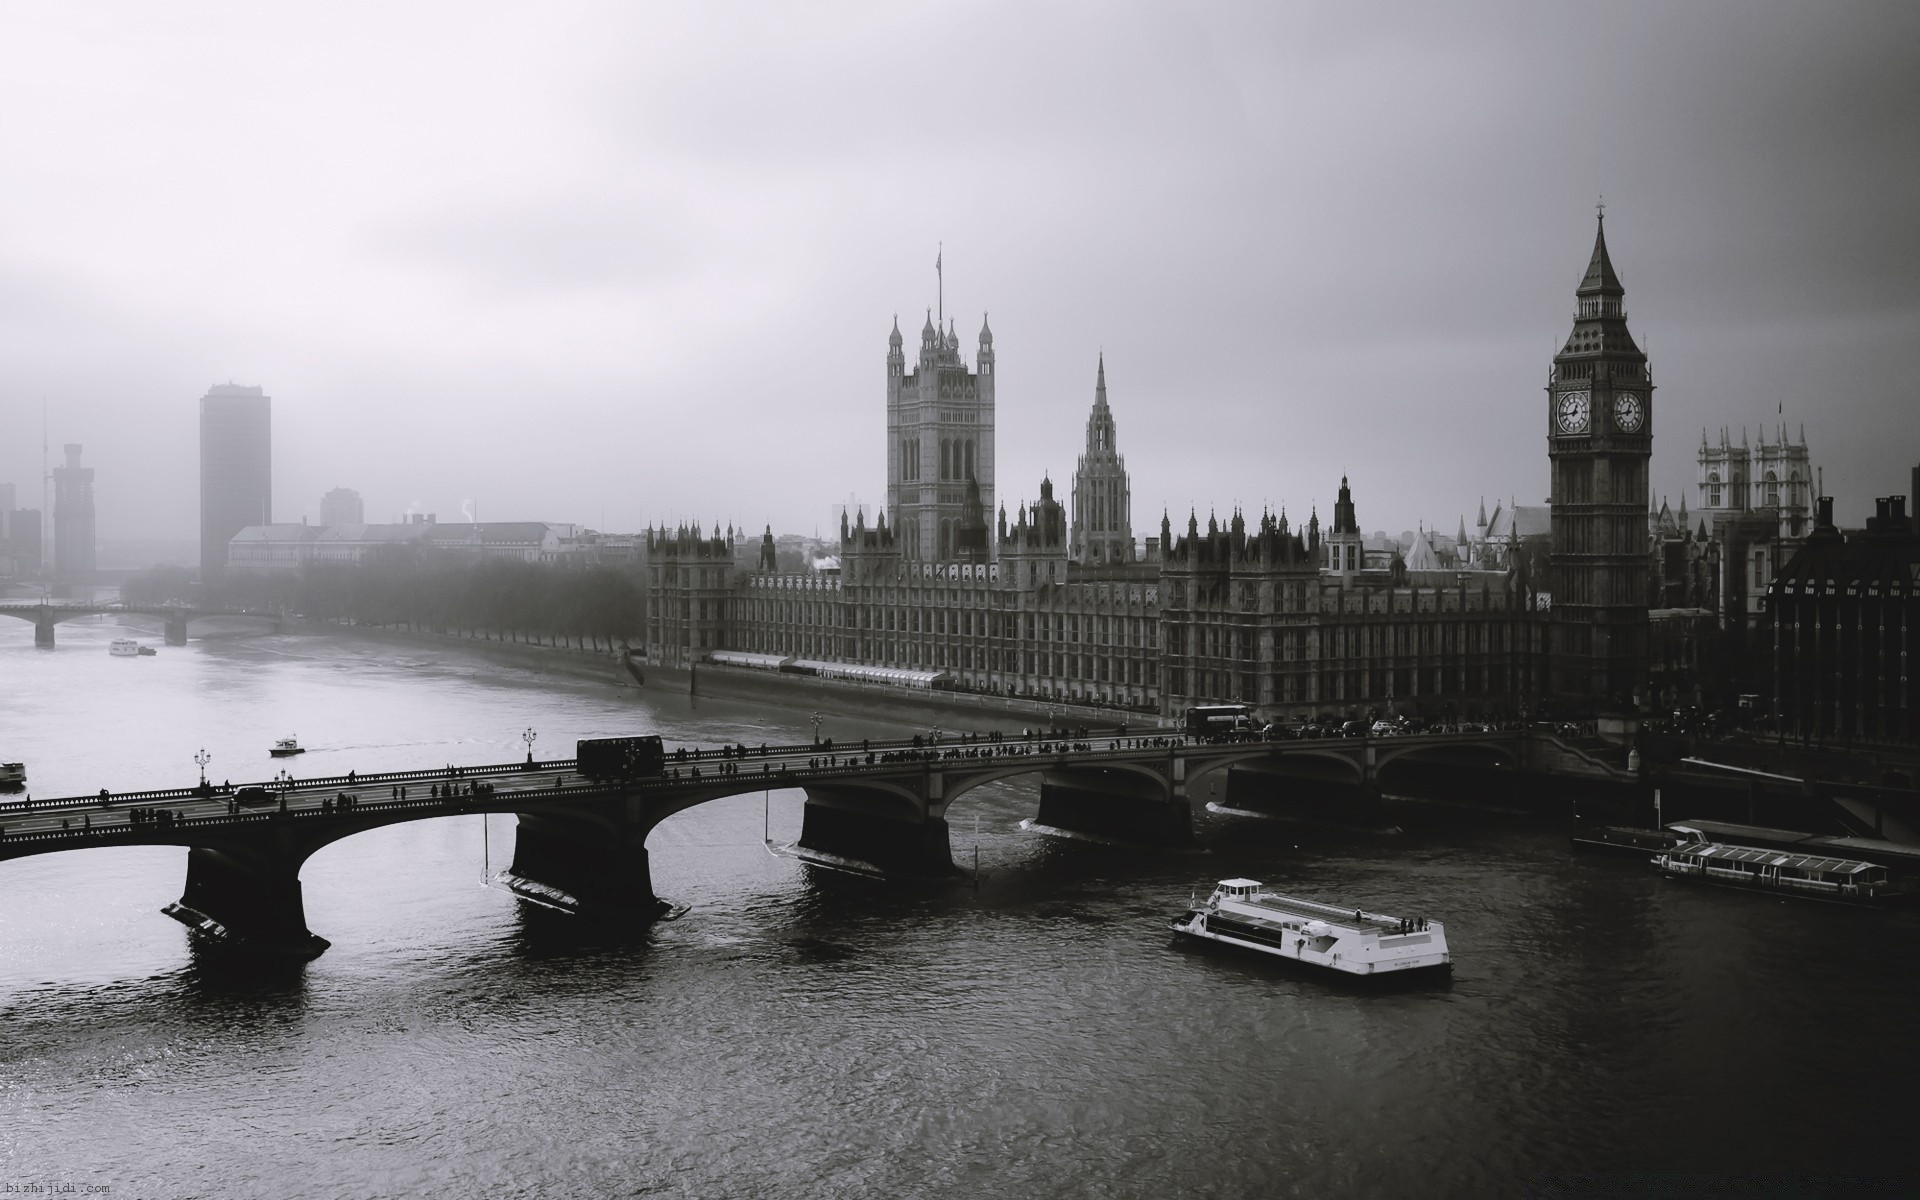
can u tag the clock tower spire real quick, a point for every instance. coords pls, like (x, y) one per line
(1599, 442)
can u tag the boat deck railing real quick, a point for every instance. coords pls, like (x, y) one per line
(1332, 914)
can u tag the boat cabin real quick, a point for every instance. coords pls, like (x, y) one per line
(1761, 867)
(1238, 889)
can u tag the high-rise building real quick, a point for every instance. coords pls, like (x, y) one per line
(939, 439)
(236, 468)
(1599, 441)
(23, 538)
(73, 518)
(1102, 496)
(342, 506)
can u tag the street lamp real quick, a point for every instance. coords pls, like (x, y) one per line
(529, 737)
(203, 758)
(816, 729)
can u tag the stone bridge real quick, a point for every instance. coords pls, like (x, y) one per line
(46, 614)
(581, 843)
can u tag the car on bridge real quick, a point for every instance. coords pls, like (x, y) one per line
(247, 797)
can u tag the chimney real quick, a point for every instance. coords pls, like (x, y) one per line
(1823, 519)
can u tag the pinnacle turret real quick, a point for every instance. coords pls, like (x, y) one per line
(1600, 278)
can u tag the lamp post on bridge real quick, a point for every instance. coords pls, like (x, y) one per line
(816, 728)
(529, 737)
(203, 758)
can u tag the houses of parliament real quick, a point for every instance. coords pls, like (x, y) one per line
(1059, 601)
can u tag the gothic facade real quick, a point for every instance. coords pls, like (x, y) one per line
(939, 441)
(1102, 497)
(1599, 441)
(1299, 623)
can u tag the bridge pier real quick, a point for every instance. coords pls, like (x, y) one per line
(176, 628)
(587, 861)
(248, 900)
(43, 632)
(880, 831)
(1123, 805)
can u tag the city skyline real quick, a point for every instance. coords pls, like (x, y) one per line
(1306, 243)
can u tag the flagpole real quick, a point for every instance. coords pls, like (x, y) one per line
(940, 272)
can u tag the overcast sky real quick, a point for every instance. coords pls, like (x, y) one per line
(623, 263)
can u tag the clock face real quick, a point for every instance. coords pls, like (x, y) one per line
(1626, 412)
(1572, 413)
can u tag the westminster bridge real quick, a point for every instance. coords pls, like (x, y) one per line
(581, 842)
(45, 614)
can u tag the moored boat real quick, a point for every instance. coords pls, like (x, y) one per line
(287, 746)
(1243, 914)
(1756, 868)
(1623, 839)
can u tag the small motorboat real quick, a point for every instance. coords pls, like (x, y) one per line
(13, 776)
(287, 747)
(148, 652)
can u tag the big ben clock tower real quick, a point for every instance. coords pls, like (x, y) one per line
(1599, 441)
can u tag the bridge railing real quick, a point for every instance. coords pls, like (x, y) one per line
(318, 781)
(944, 750)
(434, 774)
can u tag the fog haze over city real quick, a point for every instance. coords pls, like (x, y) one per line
(619, 265)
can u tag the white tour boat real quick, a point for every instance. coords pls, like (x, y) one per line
(1818, 877)
(1242, 913)
(13, 776)
(123, 648)
(287, 746)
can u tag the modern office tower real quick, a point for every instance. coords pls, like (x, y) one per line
(73, 518)
(23, 536)
(236, 469)
(342, 506)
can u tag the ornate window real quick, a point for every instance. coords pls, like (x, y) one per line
(1713, 489)
(1773, 490)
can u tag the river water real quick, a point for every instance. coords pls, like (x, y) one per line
(803, 1033)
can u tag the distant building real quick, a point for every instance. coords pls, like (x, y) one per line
(73, 531)
(269, 549)
(236, 468)
(342, 506)
(1844, 612)
(24, 543)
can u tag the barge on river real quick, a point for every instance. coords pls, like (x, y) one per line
(1243, 914)
(1756, 868)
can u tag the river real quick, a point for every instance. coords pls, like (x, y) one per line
(803, 1033)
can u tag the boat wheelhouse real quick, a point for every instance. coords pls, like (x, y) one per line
(287, 746)
(1243, 914)
(1812, 875)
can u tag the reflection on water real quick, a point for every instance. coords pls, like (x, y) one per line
(800, 1031)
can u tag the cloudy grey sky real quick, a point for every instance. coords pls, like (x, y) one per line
(618, 263)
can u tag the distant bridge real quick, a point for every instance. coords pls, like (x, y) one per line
(581, 843)
(46, 614)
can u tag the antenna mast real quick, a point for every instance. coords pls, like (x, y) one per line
(46, 499)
